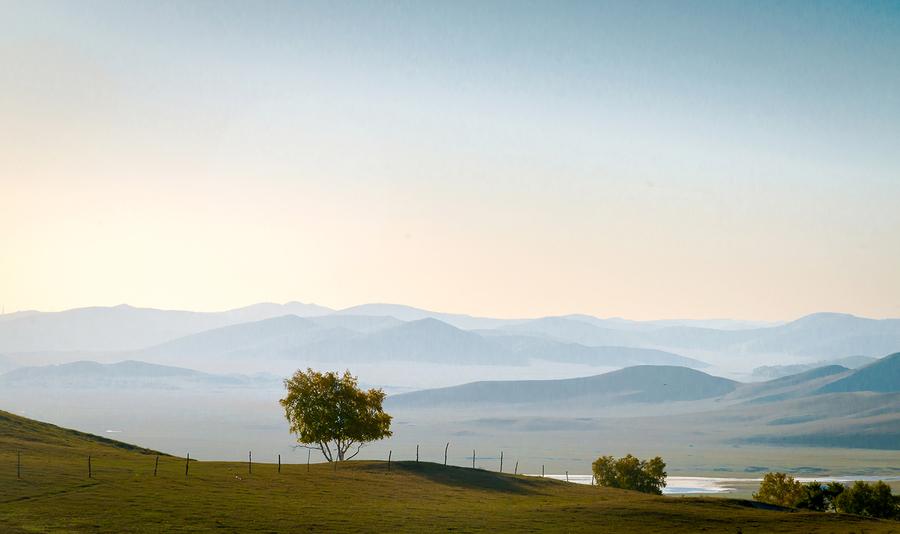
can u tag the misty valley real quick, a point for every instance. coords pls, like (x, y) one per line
(551, 393)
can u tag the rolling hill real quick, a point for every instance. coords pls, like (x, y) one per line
(640, 384)
(128, 494)
(882, 376)
(796, 385)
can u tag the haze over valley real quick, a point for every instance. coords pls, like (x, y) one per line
(545, 389)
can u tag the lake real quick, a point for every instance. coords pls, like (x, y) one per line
(719, 485)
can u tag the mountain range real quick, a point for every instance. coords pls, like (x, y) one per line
(352, 339)
(126, 327)
(297, 333)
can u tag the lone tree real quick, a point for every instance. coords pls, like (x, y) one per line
(628, 472)
(331, 413)
(780, 489)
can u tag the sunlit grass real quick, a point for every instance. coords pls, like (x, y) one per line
(55, 494)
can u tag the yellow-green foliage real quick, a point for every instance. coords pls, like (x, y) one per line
(873, 500)
(332, 413)
(628, 472)
(55, 495)
(780, 489)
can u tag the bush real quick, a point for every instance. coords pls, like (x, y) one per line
(780, 489)
(648, 476)
(874, 500)
(819, 497)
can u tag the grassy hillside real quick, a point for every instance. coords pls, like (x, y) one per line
(643, 383)
(55, 494)
(882, 375)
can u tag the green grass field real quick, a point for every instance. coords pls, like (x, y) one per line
(55, 494)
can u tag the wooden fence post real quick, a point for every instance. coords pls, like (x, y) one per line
(308, 455)
(445, 453)
(279, 463)
(417, 453)
(389, 460)
(473, 458)
(501, 461)
(516, 470)
(90, 474)
(156, 465)
(187, 462)
(250, 462)
(542, 470)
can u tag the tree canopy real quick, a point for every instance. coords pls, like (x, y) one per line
(329, 412)
(873, 500)
(780, 489)
(629, 472)
(862, 498)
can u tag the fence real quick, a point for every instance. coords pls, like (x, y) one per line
(90, 467)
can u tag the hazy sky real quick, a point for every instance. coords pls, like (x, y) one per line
(640, 159)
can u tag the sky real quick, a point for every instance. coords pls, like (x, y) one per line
(637, 159)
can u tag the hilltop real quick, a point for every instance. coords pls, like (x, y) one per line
(640, 384)
(55, 494)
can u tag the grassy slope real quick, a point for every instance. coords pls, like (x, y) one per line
(56, 495)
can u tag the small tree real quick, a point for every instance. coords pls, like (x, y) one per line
(331, 413)
(873, 500)
(780, 489)
(629, 472)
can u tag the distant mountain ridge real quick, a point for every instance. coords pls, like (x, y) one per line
(365, 333)
(822, 335)
(125, 327)
(345, 339)
(775, 371)
(409, 313)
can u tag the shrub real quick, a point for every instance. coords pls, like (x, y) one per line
(648, 476)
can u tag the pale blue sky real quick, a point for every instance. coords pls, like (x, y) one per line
(644, 159)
